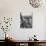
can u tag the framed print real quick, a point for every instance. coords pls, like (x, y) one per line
(25, 21)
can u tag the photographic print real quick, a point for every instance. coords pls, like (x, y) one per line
(25, 21)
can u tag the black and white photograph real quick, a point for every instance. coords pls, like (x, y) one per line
(25, 21)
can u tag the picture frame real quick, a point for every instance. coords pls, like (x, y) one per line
(26, 20)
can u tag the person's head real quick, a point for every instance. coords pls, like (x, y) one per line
(34, 35)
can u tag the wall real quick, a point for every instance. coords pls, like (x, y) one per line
(12, 8)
